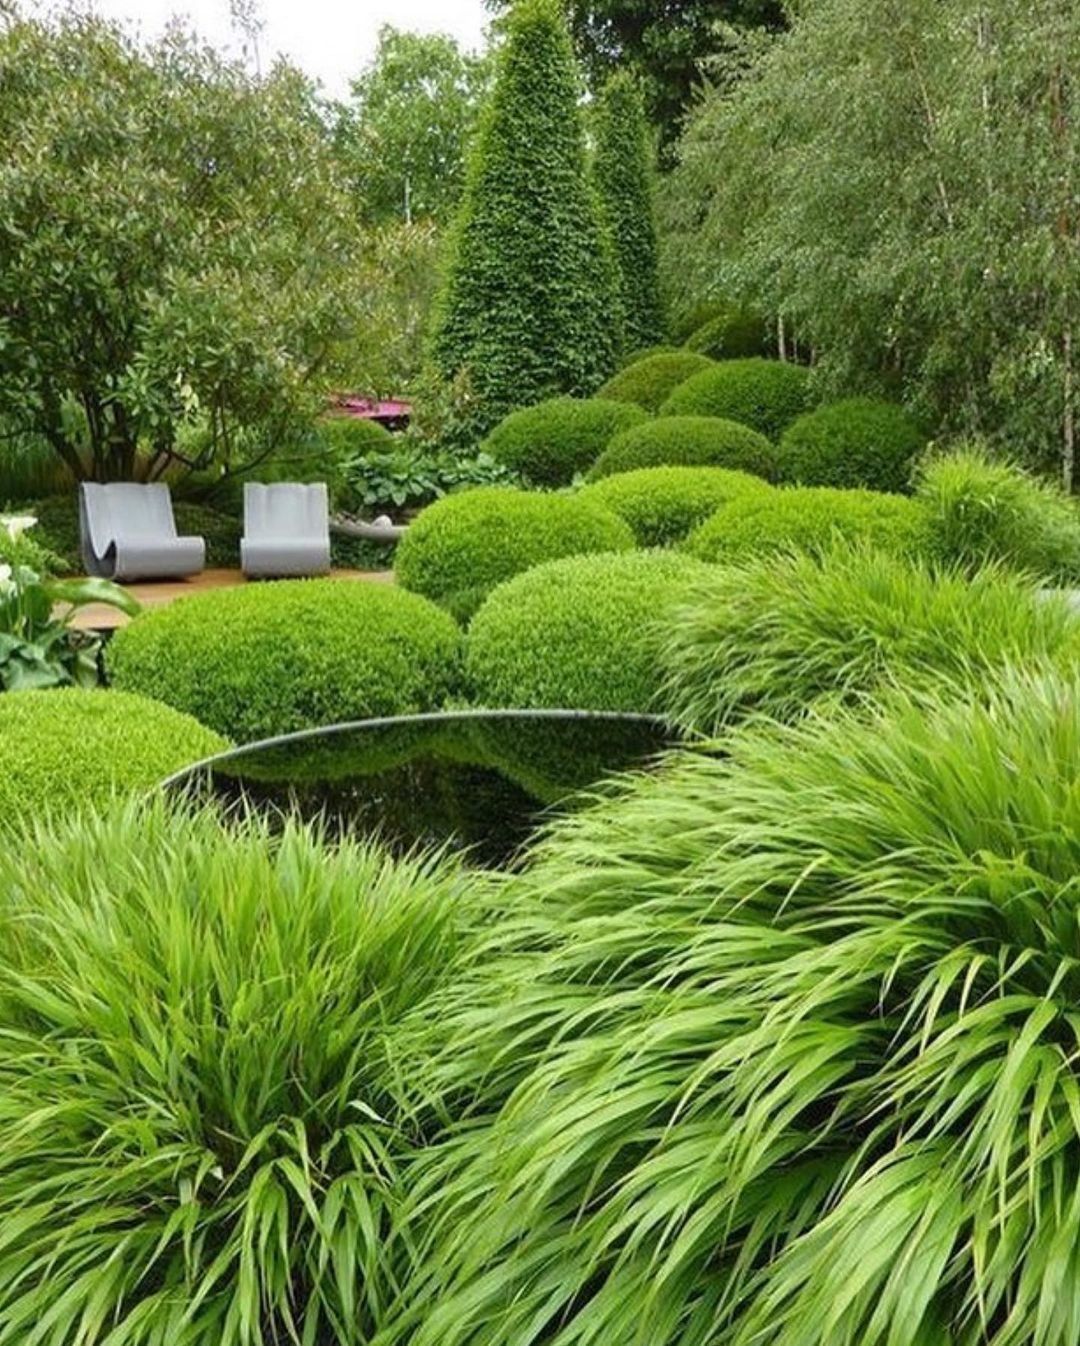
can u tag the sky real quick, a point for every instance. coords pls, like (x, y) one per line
(330, 39)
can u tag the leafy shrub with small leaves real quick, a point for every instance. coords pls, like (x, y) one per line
(270, 659)
(810, 518)
(981, 509)
(549, 444)
(69, 749)
(773, 634)
(734, 334)
(204, 1104)
(458, 550)
(635, 357)
(767, 395)
(663, 504)
(650, 381)
(860, 442)
(577, 633)
(688, 441)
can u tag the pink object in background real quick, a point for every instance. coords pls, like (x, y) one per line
(391, 413)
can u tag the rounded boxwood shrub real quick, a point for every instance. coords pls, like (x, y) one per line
(649, 382)
(460, 548)
(858, 442)
(767, 395)
(74, 748)
(810, 518)
(577, 633)
(688, 441)
(663, 504)
(734, 334)
(551, 443)
(269, 659)
(646, 353)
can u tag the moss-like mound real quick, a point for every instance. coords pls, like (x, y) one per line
(649, 382)
(857, 443)
(551, 443)
(733, 334)
(663, 504)
(688, 441)
(764, 394)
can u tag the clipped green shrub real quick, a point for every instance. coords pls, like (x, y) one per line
(646, 353)
(551, 443)
(663, 504)
(981, 509)
(650, 381)
(773, 634)
(270, 659)
(576, 633)
(776, 1046)
(733, 334)
(812, 519)
(74, 748)
(767, 395)
(205, 1113)
(459, 549)
(856, 443)
(688, 441)
(345, 436)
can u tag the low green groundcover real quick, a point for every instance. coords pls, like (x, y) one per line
(663, 504)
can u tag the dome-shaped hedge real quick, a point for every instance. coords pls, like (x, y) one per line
(460, 548)
(648, 383)
(549, 444)
(663, 504)
(688, 441)
(74, 748)
(646, 353)
(810, 518)
(859, 442)
(579, 633)
(735, 334)
(764, 394)
(270, 659)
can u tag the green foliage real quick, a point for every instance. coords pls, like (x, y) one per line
(408, 476)
(58, 528)
(525, 311)
(732, 334)
(858, 442)
(981, 509)
(270, 659)
(203, 1103)
(773, 634)
(689, 441)
(577, 633)
(634, 357)
(29, 466)
(663, 504)
(776, 1046)
(623, 174)
(811, 518)
(73, 749)
(459, 549)
(551, 443)
(767, 395)
(650, 381)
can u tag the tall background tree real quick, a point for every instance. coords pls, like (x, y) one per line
(623, 172)
(526, 310)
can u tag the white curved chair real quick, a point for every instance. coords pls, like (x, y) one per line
(128, 532)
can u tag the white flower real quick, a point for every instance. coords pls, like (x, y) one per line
(6, 582)
(17, 524)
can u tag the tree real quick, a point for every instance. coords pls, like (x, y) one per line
(526, 310)
(406, 133)
(622, 169)
(176, 251)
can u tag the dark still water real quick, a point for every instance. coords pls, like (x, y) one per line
(483, 781)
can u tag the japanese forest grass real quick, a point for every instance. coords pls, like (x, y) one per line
(778, 1047)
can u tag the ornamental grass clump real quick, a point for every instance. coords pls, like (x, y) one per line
(688, 441)
(767, 395)
(549, 444)
(663, 504)
(779, 1046)
(202, 1100)
(773, 635)
(653, 377)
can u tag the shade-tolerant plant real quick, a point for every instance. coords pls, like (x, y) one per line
(812, 519)
(525, 310)
(73, 749)
(767, 395)
(551, 443)
(773, 634)
(860, 442)
(578, 633)
(688, 441)
(274, 658)
(663, 504)
(650, 380)
(459, 549)
(408, 476)
(732, 334)
(203, 1101)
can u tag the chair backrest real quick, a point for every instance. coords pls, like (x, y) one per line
(286, 509)
(126, 511)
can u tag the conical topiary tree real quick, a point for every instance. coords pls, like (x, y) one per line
(622, 170)
(526, 310)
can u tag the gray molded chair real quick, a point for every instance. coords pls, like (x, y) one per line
(128, 532)
(286, 530)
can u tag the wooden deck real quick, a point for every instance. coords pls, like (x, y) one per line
(159, 594)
